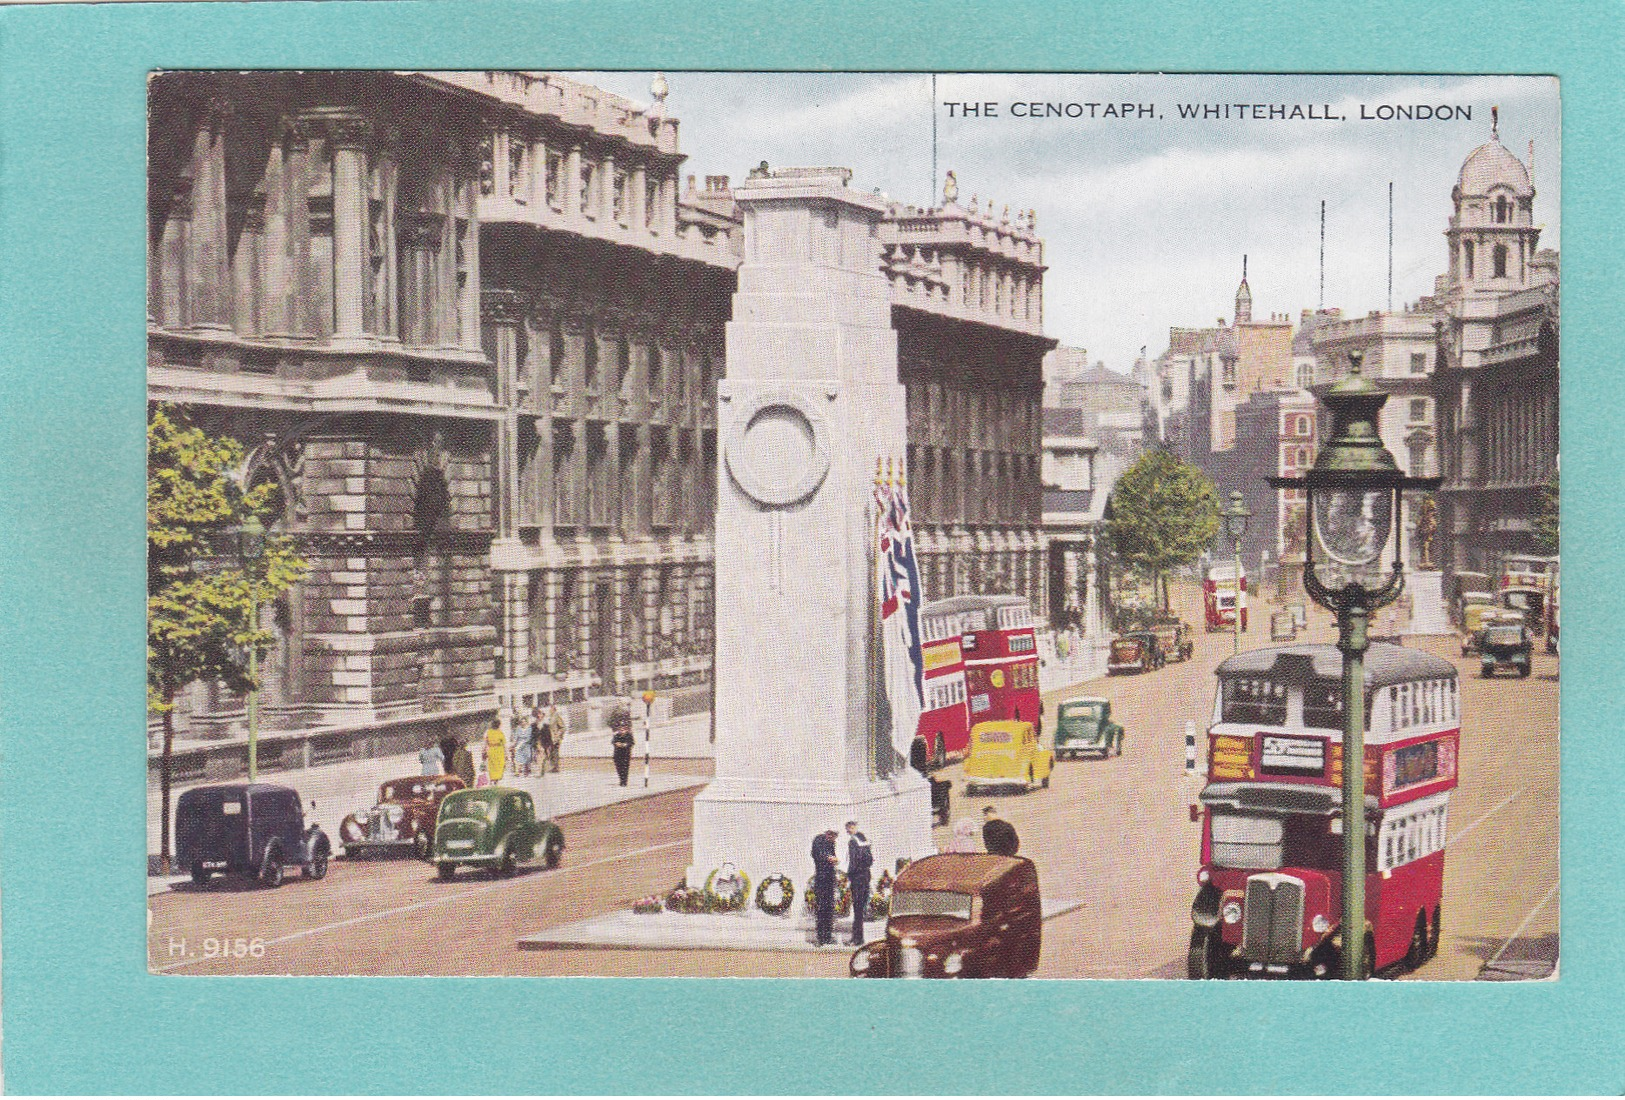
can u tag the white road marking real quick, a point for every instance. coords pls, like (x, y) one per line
(1522, 927)
(1499, 806)
(366, 917)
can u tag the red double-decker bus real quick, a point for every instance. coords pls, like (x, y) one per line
(1270, 886)
(981, 665)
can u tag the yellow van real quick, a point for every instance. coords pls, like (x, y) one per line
(1006, 752)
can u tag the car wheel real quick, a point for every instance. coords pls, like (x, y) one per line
(318, 866)
(1032, 777)
(445, 872)
(552, 851)
(1417, 953)
(199, 875)
(271, 869)
(939, 753)
(1208, 957)
(420, 844)
(506, 865)
(1368, 963)
(1523, 672)
(1045, 783)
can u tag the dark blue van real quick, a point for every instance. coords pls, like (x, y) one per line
(255, 829)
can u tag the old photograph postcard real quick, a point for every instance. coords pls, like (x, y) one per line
(883, 525)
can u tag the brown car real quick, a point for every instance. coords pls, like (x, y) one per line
(959, 915)
(1174, 636)
(403, 818)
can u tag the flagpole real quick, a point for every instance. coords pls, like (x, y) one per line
(875, 641)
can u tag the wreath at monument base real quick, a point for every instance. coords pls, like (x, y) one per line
(880, 897)
(843, 895)
(651, 904)
(775, 895)
(727, 889)
(685, 900)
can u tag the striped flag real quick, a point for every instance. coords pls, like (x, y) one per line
(901, 661)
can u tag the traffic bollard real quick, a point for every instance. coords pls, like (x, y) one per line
(1190, 748)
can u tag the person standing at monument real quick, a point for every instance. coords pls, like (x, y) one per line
(998, 835)
(462, 764)
(555, 724)
(860, 860)
(824, 860)
(621, 743)
(431, 761)
(496, 751)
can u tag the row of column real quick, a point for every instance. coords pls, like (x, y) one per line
(530, 172)
(657, 612)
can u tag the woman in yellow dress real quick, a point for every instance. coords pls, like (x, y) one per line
(496, 751)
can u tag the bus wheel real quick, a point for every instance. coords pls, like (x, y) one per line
(1434, 931)
(1417, 953)
(939, 755)
(1209, 957)
(1368, 961)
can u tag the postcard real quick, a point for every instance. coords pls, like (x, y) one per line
(853, 525)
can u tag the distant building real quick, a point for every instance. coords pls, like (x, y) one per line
(1496, 381)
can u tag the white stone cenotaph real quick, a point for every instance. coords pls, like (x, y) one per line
(810, 401)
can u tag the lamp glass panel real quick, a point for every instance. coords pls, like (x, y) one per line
(1352, 525)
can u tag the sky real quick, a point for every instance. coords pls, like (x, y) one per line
(1146, 219)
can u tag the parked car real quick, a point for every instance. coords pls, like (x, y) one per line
(1006, 752)
(1506, 645)
(403, 817)
(1174, 639)
(1479, 618)
(494, 828)
(1136, 652)
(1085, 725)
(959, 915)
(254, 829)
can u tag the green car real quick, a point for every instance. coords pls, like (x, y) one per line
(494, 828)
(1085, 725)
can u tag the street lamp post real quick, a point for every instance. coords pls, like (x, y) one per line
(1235, 525)
(250, 547)
(1352, 499)
(648, 723)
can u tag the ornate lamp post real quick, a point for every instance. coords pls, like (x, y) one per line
(250, 546)
(1353, 498)
(1235, 525)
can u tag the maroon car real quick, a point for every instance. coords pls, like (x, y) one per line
(959, 915)
(403, 818)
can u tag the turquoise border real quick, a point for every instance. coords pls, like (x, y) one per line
(82, 1015)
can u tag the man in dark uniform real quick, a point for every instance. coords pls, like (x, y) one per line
(823, 856)
(621, 743)
(859, 860)
(448, 753)
(998, 835)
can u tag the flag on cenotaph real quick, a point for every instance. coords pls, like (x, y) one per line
(901, 661)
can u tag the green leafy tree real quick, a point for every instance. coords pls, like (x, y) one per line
(1545, 518)
(205, 581)
(1165, 512)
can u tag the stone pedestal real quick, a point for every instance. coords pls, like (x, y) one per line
(1426, 590)
(810, 402)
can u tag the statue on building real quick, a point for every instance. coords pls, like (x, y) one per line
(950, 189)
(1427, 527)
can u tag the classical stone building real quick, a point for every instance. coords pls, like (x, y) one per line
(1496, 382)
(472, 327)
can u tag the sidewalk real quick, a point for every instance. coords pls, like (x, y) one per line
(582, 782)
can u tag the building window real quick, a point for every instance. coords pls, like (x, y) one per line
(1419, 362)
(1306, 375)
(657, 370)
(620, 196)
(555, 170)
(487, 162)
(1227, 372)
(651, 201)
(1502, 210)
(1467, 256)
(518, 169)
(589, 177)
(1500, 260)
(1418, 456)
(1419, 409)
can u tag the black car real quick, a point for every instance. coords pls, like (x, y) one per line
(255, 829)
(1505, 645)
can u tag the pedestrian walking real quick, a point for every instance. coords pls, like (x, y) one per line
(998, 835)
(964, 839)
(823, 857)
(860, 859)
(523, 754)
(621, 743)
(448, 755)
(555, 722)
(544, 743)
(496, 751)
(430, 760)
(484, 779)
(462, 764)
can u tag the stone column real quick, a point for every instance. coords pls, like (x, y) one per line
(208, 277)
(349, 135)
(810, 402)
(638, 211)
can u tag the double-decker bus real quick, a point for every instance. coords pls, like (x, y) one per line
(1224, 596)
(981, 665)
(1270, 900)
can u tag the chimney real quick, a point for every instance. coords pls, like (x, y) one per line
(716, 185)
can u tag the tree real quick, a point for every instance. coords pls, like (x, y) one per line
(205, 582)
(1165, 512)
(1545, 518)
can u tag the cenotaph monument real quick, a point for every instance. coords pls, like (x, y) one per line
(809, 403)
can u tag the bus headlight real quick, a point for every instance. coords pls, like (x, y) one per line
(860, 961)
(1320, 924)
(953, 964)
(1232, 912)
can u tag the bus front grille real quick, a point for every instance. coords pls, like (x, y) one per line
(1272, 931)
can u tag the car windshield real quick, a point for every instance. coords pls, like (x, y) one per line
(1245, 842)
(930, 903)
(1087, 712)
(993, 737)
(1503, 635)
(1127, 646)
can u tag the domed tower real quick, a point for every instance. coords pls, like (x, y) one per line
(1492, 233)
(1244, 296)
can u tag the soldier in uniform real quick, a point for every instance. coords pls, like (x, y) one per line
(823, 856)
(998, 835)
(621, 743)
(859, 859)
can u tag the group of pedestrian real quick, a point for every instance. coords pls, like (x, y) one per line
(535, 747)
(860, 861)
(999, 837)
